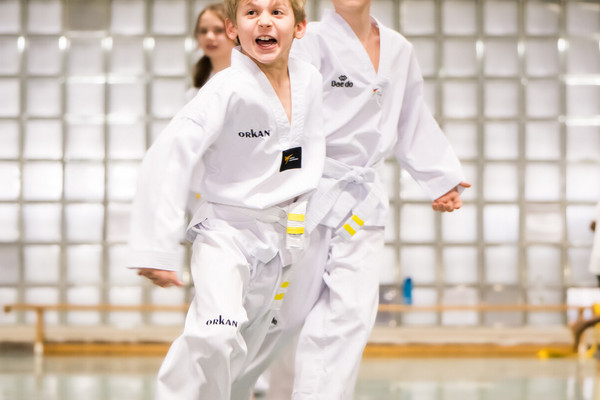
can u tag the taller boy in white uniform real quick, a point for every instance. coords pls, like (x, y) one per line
(251, 142)
(374, 108)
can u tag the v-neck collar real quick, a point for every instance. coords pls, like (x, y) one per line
(356, 45)
(287, 128)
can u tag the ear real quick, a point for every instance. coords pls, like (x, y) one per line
(300, 29)
(231, 30)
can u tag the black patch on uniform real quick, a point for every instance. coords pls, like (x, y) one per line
(291, 158)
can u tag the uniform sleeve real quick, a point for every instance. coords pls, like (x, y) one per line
(158, 210)
(422, 149)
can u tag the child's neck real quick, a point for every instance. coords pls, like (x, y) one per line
(278, 76)
(359, 20)
(367, 32)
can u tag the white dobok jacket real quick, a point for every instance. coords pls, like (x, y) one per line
(228, 144)
(370, 116)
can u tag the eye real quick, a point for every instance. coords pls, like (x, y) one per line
(277, 12)
(219, 31)
(251, 12)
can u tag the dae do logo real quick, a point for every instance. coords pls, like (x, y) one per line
(343, 82)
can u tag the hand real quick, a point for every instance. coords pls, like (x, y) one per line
(450, 201)
(161, 277)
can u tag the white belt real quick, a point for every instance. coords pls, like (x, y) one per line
(271, 215)
(293, 217)
(345, 175)
(295, 243)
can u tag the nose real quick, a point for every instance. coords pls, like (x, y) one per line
(264, 19)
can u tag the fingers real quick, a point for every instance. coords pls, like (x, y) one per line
(450, 201)
(445, 207)
(447, 203)
(150, 275)
(160, 278)
(176, 282)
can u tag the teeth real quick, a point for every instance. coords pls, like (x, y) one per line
(264, 38)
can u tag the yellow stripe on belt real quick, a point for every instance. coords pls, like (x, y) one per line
(296, 217)
(353, 224)
(280, 296)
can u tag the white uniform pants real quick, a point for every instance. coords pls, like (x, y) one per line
(230, 314)
(335, 293)
(281, 374)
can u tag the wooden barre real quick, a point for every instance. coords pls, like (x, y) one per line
(41, 308)
(382, 307)
(482, 307)
(38, 345)
(95, 307)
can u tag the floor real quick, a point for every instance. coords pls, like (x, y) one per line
(25, 377)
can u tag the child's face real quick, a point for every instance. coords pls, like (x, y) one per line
(211, 37)
(266, 29)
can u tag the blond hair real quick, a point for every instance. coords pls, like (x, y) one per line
(231, 7)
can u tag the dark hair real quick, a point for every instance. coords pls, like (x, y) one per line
(203, 67)
(202, 71)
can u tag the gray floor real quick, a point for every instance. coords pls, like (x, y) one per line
(23, 376)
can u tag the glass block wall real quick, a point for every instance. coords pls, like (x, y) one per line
(514, 85)
(87, 84)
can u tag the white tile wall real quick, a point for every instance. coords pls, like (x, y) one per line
(514, 85)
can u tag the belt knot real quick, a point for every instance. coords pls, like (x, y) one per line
(359, 175)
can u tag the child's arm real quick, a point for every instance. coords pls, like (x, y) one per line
(161, 277)
(450, 201)
(422, 149)
(158, 209)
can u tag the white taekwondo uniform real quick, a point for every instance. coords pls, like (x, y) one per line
(369, 116)
(231, 144)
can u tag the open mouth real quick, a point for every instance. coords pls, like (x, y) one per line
(266, 41)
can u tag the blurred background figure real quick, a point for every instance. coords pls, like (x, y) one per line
(595, 256)
(578, 327)
(215, 47)
(214, 43)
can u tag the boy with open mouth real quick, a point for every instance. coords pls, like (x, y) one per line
(251, 143)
